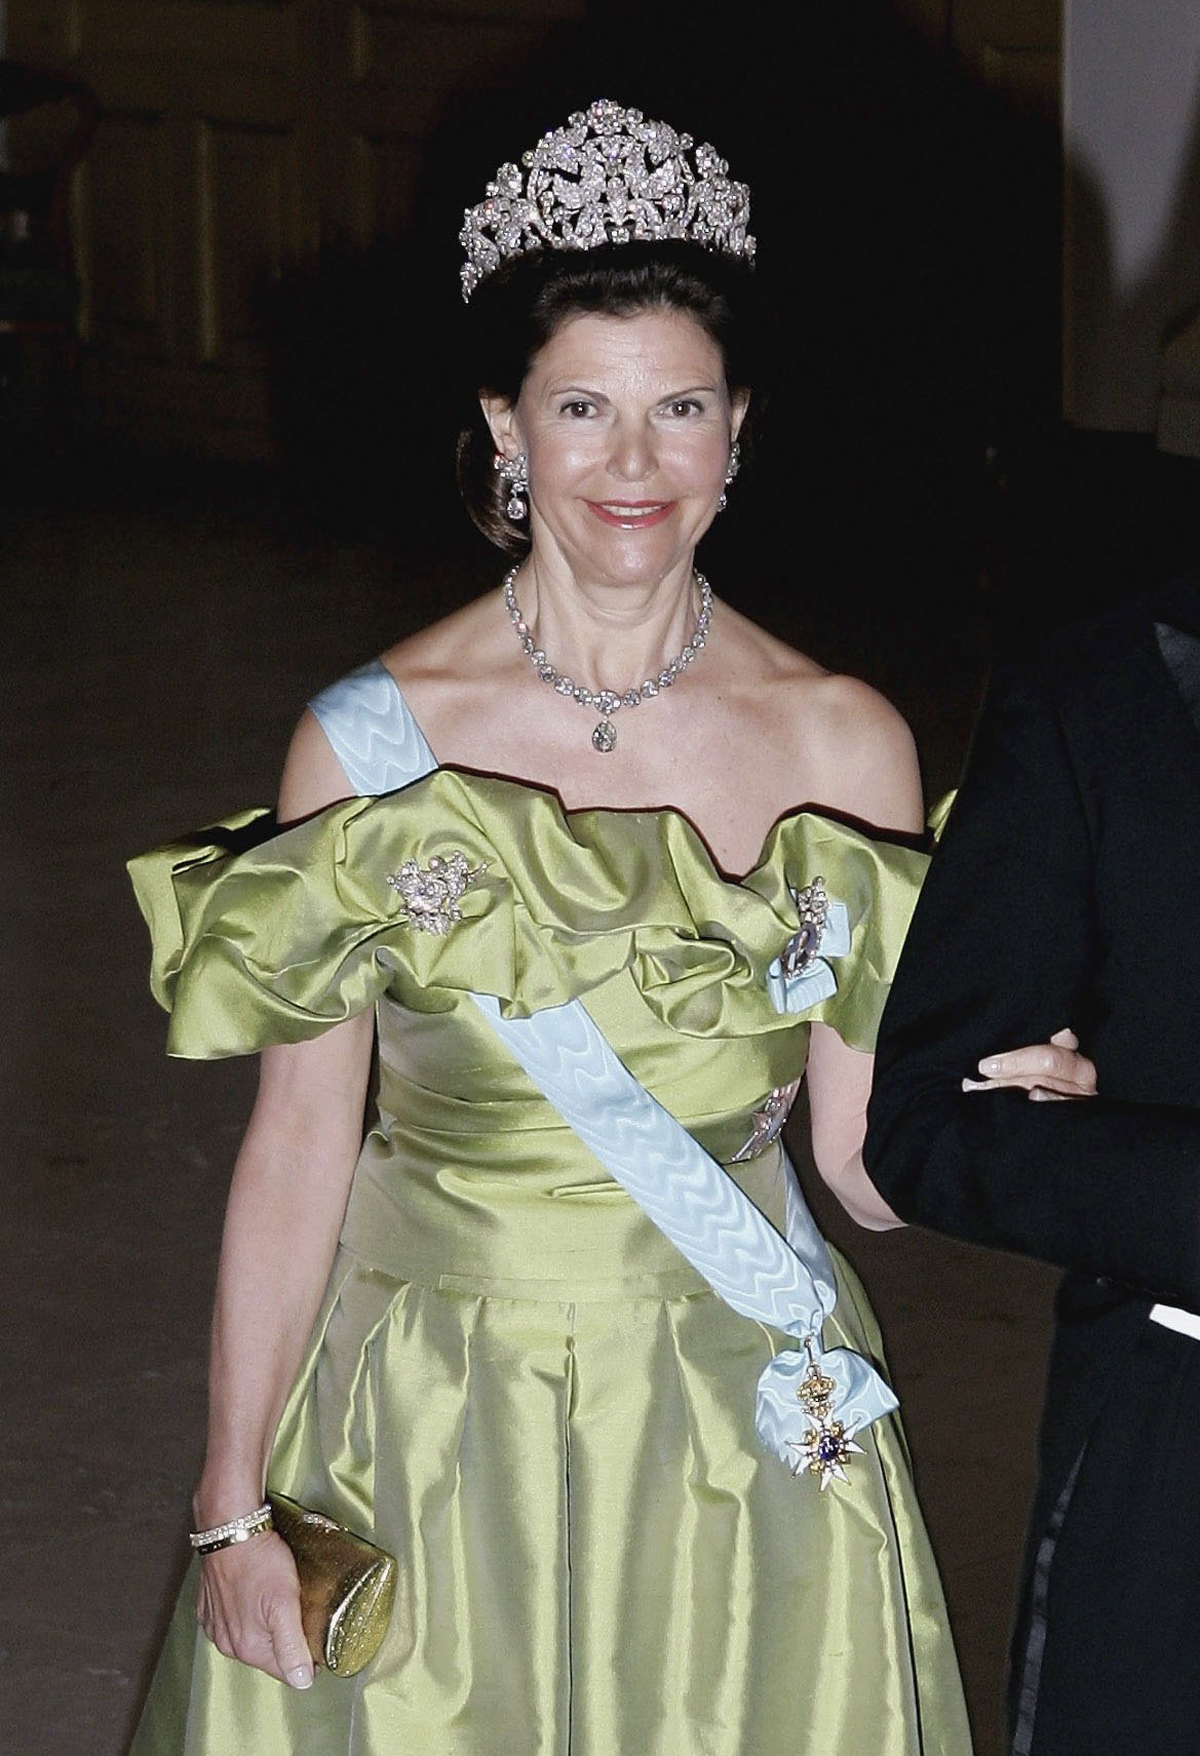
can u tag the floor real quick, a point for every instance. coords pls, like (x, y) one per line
(155, 651)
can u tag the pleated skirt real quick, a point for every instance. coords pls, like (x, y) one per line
(596, 1555)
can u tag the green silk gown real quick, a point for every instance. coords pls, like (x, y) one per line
(516, 1384)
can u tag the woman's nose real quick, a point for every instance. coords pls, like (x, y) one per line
(632, 456)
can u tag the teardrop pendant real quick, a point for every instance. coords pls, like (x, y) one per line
(604, 734)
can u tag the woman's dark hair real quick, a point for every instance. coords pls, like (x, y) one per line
(513, 314)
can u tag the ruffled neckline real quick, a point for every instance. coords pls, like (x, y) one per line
(558, 902)
(422, 750)
(684, 831)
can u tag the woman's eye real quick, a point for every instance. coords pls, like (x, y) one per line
(578, 406)
(683, 406)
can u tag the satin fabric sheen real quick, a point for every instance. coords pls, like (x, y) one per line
(517, 1385)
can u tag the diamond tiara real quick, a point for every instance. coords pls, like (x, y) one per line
(608, 177)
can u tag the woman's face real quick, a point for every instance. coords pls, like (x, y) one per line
(627, 424)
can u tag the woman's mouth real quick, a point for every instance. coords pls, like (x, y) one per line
(631, 514)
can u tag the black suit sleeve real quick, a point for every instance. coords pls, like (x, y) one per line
(999, 955)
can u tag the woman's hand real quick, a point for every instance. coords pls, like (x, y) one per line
(1047, 1071)
(249, 1606)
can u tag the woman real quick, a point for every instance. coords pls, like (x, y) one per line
(514, 1381)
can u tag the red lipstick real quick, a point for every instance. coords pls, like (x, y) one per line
(631, 514)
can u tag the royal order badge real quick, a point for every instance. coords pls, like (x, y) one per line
(826, 1447)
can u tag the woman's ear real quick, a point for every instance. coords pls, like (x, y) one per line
(739, 402)
(501, 417)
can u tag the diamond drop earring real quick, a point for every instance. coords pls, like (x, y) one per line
(731, 470)
(514, 473)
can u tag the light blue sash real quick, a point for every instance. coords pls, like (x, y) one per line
(785, 1282)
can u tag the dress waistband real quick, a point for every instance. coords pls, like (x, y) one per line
(494, 1233)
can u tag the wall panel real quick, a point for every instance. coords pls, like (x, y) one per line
(243, 136)
(384, 173)
(1016, 47)
(421, 59)
(246, 182)
(42, 30)
(124, 235)
(231, 34)
(239, 136)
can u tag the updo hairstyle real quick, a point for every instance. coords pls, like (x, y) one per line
(515, 311)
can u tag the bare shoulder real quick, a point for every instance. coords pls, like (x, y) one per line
(856, 719)
(758, 658)
(425, 667)
(451, 648)
(834, 736)
(863, 751)
(312, 775)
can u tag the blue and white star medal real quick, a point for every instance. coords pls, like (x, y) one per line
(826, 1448)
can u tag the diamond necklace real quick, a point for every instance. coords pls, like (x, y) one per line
(604, 737)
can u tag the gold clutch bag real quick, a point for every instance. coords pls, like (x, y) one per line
(346, 1586)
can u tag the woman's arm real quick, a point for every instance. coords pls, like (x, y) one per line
(876, 779)
(282, 1222)
(870, 771)
(839, 1084)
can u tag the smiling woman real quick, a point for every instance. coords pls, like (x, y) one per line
(517, 310)
(540, 1293)
(625, 429)
(625, 422)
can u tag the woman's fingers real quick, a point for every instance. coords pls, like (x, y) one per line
(1045, 1070)
(282, 1616)
(1040, 1062)
(1057, 1065)
(249, 1606)
(1067, 1088)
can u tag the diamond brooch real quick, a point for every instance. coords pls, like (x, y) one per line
(826, 1447)
(430, 893)
(800, 952)
(766, 1124)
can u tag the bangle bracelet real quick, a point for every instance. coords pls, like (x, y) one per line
(238, 1530)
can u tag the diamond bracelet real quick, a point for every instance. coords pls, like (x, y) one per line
(238, 1530)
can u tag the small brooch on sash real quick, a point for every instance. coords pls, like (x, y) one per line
(800, 952)
(430, 893)
(801, 976)
(766, 1124)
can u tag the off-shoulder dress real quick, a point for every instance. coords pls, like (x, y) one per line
(516, 1384)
